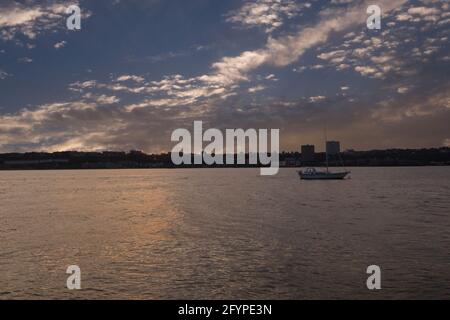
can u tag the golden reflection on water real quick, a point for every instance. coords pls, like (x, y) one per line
(97, 219)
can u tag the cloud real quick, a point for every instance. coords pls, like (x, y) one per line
(82, 125)
(159, 103)
(428, 105)
(317, 99)
(288, 49)
(3, 75)
(402, 90)
(25, 60)
(141, 113)
(229, 71)
(169, 92)
(147, 124)
(423, 11)
(332, 55)
(32, 19)
(130, 78)
(268, 14)
(397, 51)
(80, 86)
(256, 89)
(60, 45)
(404, 17)
(271, 77)
(365, 70)
(19, 16)
(102, 99)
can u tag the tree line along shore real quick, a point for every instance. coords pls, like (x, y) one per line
(138, 159)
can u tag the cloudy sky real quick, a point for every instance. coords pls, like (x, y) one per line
(138, 69)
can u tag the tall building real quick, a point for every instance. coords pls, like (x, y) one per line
(333, 147)
(308, 153)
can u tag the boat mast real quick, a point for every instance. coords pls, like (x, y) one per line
(326, 139)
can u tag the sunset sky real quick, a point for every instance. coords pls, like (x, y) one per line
(138, 69)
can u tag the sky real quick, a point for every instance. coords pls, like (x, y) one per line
(139, 69)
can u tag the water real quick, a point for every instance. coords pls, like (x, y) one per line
(224, 233)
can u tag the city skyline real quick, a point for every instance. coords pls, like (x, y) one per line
(137, 70)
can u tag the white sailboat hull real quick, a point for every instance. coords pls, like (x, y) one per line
(323, 175)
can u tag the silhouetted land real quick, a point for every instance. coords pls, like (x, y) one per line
(136, 159)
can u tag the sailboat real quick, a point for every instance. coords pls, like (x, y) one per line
(313, 174)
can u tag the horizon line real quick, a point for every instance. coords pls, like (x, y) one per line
(169, 152)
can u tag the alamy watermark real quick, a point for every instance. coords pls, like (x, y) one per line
(74, 280)
(374, 20)
(73, 22)
(237, 143)
(374, 280)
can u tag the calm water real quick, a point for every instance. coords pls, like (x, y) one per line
(220, 233)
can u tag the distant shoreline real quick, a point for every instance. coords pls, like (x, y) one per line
(74, 160)
(213, 167)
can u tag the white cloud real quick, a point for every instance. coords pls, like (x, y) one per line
(317, 99)
(79, 86)
(299, 69)
(404, 17)
(3, 75)
(366, 70)
(342, 66)
(381, 56)
(102, 99)
(287, 49)
(271, 77)
(229, 71)
(17, 16)
(130, 77)
(332, 55)
(269, 14)
(158, 103)
(402, 90)
(60, 45)
(423, 11)
(256, 89)
(170, 91)
(382, 59)
(317, 66)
